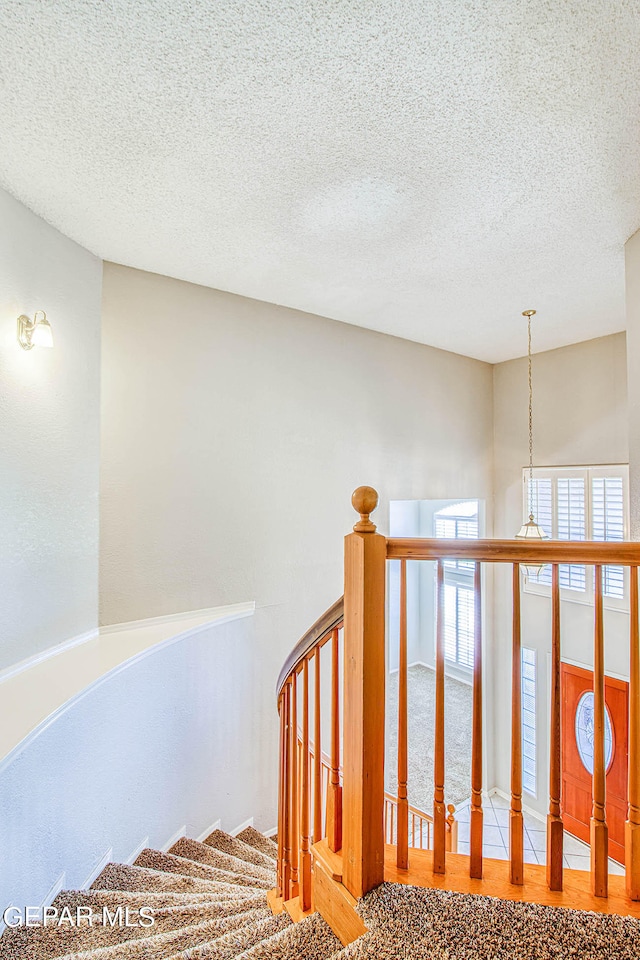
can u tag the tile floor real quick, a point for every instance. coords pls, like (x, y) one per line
(496, 837)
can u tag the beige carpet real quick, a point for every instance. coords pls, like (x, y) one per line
(421, 714)
(217, 908)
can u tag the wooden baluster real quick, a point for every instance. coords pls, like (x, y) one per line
(305, 825)
(516, 821)
(286, 795)
(317, 756)
(632, 826)
(402, 858)
(555, 827)
(295, 796)
(334, 797)
(439, 814)
(476, 815)
(599, 829)
(364, 700)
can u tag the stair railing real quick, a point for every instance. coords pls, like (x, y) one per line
(360, 826)
(309, 804)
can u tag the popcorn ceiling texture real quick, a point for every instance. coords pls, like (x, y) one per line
(424, 169)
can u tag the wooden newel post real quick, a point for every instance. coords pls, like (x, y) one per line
(364, 700)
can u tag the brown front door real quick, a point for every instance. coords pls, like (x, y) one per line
(577, 754)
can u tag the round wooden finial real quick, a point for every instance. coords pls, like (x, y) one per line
(364, 500)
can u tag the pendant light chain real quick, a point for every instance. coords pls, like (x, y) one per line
(530, 530)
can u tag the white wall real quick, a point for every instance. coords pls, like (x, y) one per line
(580, 417)
(157, 744)
(49, 438)
(234, 432)
(632, 283)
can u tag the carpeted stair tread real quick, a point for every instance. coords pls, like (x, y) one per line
(237, 848)
(236, 942)
(254, 838)
(203, 853)
(47, 942)
(170, 863)
(161, 945)
(151, 898)
(120, 876)
(311, 939)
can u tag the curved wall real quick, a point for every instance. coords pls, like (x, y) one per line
(160, 742)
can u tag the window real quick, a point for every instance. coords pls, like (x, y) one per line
(529, 720)
(458, 521)
(583, 503)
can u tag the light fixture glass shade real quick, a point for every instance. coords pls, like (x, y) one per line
(533, 533)
(42, 335)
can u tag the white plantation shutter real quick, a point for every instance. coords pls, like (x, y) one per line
(571, 525)
(529, 720)
(580, 504)
(607, 523)
(540, 503)
(458, 521)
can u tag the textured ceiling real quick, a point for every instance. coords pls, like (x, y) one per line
(428, 169)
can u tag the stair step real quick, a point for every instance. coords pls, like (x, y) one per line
(311, 939)
(168, 944)
(237, 848)
(158, 899)
(156, 860)
(258, 840)
(203, 853)
(120, 876)
(234, 944)
(69, 938)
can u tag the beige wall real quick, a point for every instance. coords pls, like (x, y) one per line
(580, 417)
(632, 283)
(49, 438)
(233, 434)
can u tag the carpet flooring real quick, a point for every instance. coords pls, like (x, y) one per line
(198, 916)
(421, 717)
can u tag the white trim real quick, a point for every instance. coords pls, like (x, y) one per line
(178, 835)
(530, 812)
(37, 658)
(249, 606)
(239, 611)
(106, 858)
(205, 833)
(243, 826)
(133, 856)
(46, 901)
(589, 666)
(270, 833)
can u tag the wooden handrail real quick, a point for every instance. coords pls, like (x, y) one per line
(320, 631)
(516, 551)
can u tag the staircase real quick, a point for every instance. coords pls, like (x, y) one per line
(209, 900)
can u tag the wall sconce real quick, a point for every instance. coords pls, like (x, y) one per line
(36, 332)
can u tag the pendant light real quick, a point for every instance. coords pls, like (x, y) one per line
(531, 531)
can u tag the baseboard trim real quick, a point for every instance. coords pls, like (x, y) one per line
(133, 856)
(9, 672)
(213, 612)
(97, 870)
(271, 833)
(525, 808)
(243, 826)
(216, 825)
(178, 835)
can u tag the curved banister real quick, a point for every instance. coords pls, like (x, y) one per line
(320, 630)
